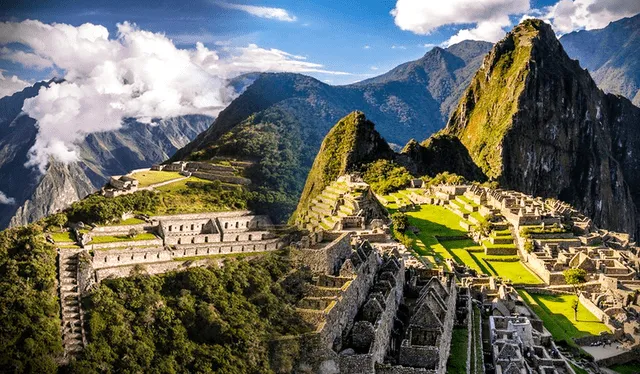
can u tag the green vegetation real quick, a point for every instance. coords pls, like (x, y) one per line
(556, 313)
(30, 331)
(526, 231)
(575, 277)
(121, 238)
(457, 363)
(400, 221)
(147, 178)
(62, 237)
(385, 176)
(445, 178)
(507, 267)
(99, 209)
(200, 320)
(630, 368)
(485, 112)
(196, 195)
(128, 221)
(338, 154)
(476, 347)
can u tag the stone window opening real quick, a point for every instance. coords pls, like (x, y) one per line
(105, 258)
(236, 225)
(169, 228)
(192, 226)
(237, 238)
(158, 255)
(193, 240)
(250, 237)
(226, 225)
(181, 227)
(118, 258)
(179, 240)
(206, 239)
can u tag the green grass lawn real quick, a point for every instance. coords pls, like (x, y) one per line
(435, 220)
(466, 252)
(121, 238)
(62, 237)
(557, 315)
(147, 178)
(457, 362)
(630, 368)
(180, 186)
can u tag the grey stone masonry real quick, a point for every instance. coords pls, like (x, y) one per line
(72, 329)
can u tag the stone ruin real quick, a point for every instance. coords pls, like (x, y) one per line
(347, 203)
(372, 314)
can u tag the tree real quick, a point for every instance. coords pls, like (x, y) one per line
(574, 306)
(483, 227)
(59, 219)
(400, 221)
(132, 233)
(575, 277)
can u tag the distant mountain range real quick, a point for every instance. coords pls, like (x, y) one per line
(291, 114)
(611, 54)
(135, 145)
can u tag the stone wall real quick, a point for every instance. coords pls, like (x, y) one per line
(222, 178)
(327, 259)
(621, 359)
(120, 229)
(123, 244)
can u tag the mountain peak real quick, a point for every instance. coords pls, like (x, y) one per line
(351, 143)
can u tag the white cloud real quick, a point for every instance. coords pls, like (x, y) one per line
(27, 59)
(253, 58)
(366, 47)
(398, 47)
(4, 199)
(260, 11)
(571, 15)
(489, 17)
(374, 68)
(137, 74)
(11, 85)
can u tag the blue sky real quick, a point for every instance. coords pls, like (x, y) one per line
(159, 59)
(331, 33)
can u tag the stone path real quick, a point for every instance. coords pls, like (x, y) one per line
(73, 337)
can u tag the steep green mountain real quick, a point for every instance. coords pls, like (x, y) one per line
(352, 142)
(354, 145)
(534, 120)
(35, 195)
(611, 54)
(414, 99)
(280, 120)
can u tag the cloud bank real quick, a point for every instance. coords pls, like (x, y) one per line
(11, 85)
(490, 19)
(571, 15)
(137, 74)
(260, 11)
(4, 199)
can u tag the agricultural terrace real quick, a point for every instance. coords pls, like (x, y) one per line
(556, 313)
(442, 237)
(151, 177)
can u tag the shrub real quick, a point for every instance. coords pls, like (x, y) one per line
(385, 176)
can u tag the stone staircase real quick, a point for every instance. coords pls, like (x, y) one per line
(73, 336)
(326, 209)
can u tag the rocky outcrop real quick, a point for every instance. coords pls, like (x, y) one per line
(60, 186)
(536, 122)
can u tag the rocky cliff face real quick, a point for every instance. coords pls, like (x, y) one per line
(535, 121)
(135, 145)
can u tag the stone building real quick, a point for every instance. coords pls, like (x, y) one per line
(517, 347)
